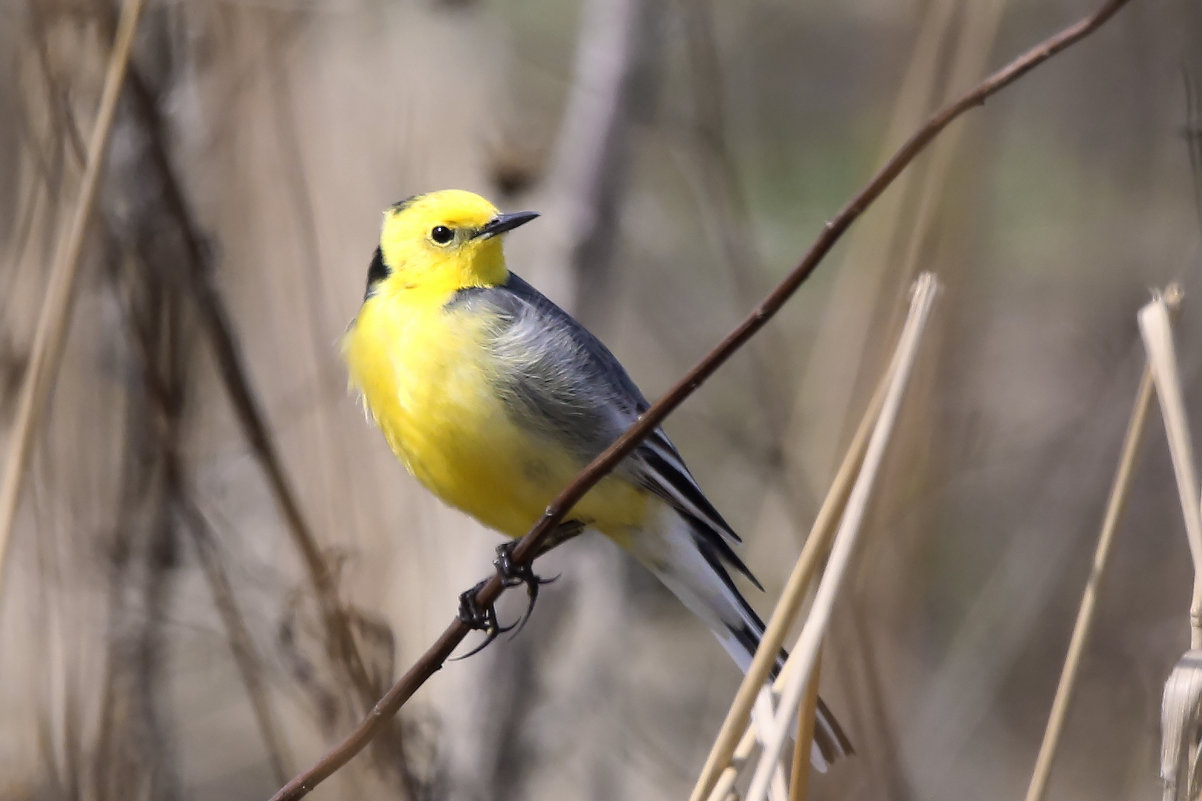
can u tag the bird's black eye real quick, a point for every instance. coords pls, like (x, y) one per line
(441, 234)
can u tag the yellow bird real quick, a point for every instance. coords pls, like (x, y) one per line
(494, 398)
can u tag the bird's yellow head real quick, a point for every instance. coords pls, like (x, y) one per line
(441, 242)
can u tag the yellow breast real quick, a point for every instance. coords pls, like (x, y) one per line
(427, 380)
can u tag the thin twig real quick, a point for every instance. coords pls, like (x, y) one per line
(432, 660)
(395, 752)
(55, 316)
(761, 716)
(163, 377)
(218, 329)
(1193, 133)
(241, 643)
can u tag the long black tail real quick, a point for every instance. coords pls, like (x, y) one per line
(695, 574)
(830, 741)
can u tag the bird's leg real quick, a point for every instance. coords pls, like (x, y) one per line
(561, 534)
(479, 618)
(484, 619)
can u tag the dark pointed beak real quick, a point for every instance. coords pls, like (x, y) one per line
(504, 222)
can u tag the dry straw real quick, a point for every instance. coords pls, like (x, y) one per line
(805, 653)
(735, 740)
(799, 780)
(55, 316)
(1181, 708)
(1157, 331)
(1180, 726)
(1115, 507)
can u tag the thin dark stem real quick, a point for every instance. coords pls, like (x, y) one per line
(432, 660)
(217, 327)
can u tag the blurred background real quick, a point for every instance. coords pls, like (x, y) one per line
(217, 565)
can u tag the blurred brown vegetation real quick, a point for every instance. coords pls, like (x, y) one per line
(163, 633)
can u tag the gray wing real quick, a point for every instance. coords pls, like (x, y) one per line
(562, 381)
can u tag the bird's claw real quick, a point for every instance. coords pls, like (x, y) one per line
(513, 575)
(479, 618)
(484, 618)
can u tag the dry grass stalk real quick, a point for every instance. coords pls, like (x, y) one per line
(1115, 507)
(805, 652)
(735, 740)
(1156, 327)
(709, 165)
(762, 714)
(55, 316)
(800, 778)
(974, 47)
(1181, 725)
(1181, 708)
(724, 786)
(733, 743)
(866, 270)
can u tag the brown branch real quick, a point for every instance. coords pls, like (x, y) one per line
(433, 659)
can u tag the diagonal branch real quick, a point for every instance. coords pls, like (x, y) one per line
(433, 659)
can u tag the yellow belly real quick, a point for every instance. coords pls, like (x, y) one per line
(427, 381)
